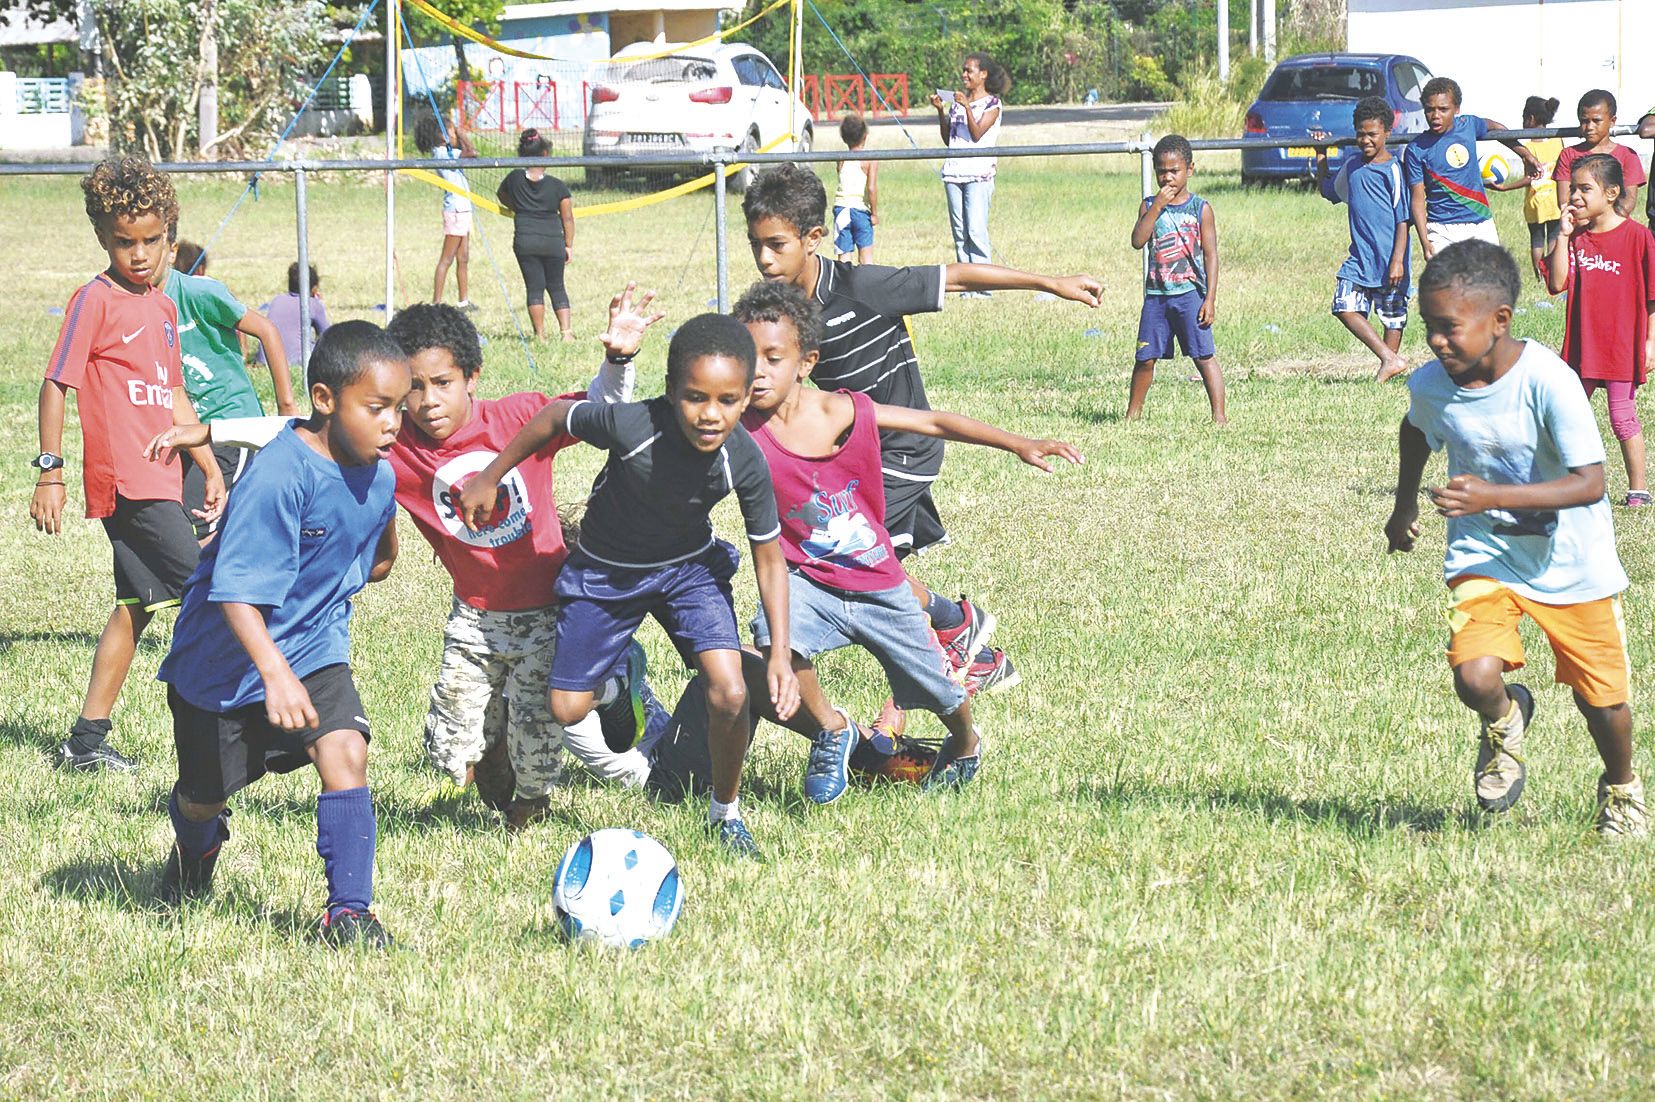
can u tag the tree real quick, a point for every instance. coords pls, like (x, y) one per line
(483, 15)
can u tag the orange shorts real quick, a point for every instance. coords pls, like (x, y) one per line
(1588, 639)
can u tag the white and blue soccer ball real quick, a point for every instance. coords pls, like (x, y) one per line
(618, 887)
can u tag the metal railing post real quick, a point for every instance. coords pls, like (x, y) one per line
(721, 229)
(1146, 170)
(303, 213)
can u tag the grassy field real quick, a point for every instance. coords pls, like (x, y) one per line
(1223, 845)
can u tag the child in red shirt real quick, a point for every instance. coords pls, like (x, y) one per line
(1607, 264)
(118, 350)
(1596, 113)
(845, 583)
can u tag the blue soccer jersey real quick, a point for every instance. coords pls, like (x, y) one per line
(1448, 167)
(297, 541)
(1378, 202)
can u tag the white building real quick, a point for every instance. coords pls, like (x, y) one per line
(1503, 51)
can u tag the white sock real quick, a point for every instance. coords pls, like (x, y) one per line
(463, 302)
(607, 692)
(636, 768)
(718, 813)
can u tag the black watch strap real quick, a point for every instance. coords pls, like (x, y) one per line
(46, 461)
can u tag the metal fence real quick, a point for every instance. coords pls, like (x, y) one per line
(721, 162)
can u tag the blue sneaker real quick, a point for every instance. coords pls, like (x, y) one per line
(827, 774)
(622, 719)
(735, 837)
(956, 774)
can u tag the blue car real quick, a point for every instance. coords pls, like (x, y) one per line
(1314, 94)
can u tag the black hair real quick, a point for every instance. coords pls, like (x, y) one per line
(999, 81)
(1175, 143)
(1595, 97)
(1604, 169)
(790, 192)
(766, 301)
(531, 144)
(853, 130)
(293, 278)
(428, 133)
(1474, 266)
(1372, 109)
(438, 325)
(343, 353)
(191, 259)
(1542, 111)
(708, 335)
(1438, 86)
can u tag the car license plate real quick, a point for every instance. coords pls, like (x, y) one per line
(1301, 151)
(656, 139)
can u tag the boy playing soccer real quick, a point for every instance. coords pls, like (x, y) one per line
(1181, 284)
(647, 546)
(1529, 530)
(210, 322)
(118, 350)
(1445, 177)
(258, 676)
(845, 583)
(1374, 277)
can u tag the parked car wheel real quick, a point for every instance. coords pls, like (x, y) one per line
(742, 180)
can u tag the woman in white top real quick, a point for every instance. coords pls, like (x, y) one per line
(970, 119)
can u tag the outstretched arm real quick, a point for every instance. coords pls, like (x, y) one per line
(477, 498)
(628, 321)
(214, 494)
(1402, 529)
(992, 277)
(1531, 164)
(968, 430)
(257, 325)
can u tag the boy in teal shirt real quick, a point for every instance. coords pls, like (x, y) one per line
(210, 324)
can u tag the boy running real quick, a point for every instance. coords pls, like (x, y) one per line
(118, 350)
(1529, 530)
(1445, 177)
(259, 677)
(845, 583)
(1374, 277)
(647, 545)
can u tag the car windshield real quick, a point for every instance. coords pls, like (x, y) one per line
(667, 70)
(1323, 82)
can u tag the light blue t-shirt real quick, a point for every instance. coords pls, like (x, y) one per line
(297, 540)
(451, 202)
(1378, 202)
(1532, 425)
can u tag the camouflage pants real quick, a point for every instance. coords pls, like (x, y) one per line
(492, 685)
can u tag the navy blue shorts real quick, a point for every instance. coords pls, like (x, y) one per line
(1167, 316)
(600, 608)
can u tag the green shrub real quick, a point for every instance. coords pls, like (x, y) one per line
(1204, 109)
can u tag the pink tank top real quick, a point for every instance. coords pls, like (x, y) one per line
(833, 508)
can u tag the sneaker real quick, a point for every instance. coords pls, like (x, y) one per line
(345, 928)
(955, 774)
(902, 760)
(991, 674)
(623, 718)
(735, 837)
(495, 777)
(188, 877)
(1621, 812)
(101, 756)
(962, 643)
(1636, 499)
(1500, 773)
(467, 307)
(523, 814)
(827, 774)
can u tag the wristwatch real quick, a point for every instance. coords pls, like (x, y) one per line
(46, 461)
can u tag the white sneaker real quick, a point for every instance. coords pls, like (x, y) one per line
(1500, 774)
(1621, 812)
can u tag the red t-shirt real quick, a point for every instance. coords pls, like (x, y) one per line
(119, 352)
(1631, 168)
(1611, 283)
(833, 507)
(513, 562)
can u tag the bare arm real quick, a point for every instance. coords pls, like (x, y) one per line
(979, 125)
(214, 494)
(477, 498)
(872, 169)
(967, 430)
(992, 277)
(1510, 183)
(257, 325)
(1402, 529)
(1416, 206)
(1399, 256)
(503, 197)
(943, 106)
(1531, 163)
(771, 569)
(385, 555)
(1466, 495)
(1557, 262)
(566, 212)
(1646, 126)
(286, 703)
(46, 507)
(1209, 257)
(464, 140)
(1143, 230)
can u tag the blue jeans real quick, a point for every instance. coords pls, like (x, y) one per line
(968, 219)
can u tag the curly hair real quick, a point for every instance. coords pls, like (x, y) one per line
(438, 325)
(772, 302)
(789, 191)
(127, 187)
(1475, 267)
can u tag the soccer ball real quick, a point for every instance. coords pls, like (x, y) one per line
(618, 887)
(1496, 169)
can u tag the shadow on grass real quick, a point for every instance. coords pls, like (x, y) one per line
(137, 889)
(1364, 820)
(149, 642)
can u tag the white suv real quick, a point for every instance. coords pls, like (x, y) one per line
(721, 96)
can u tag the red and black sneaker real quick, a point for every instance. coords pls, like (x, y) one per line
(907, 761)
(961, 644)
(991, 674)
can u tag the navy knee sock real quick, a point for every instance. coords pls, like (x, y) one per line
(345, 834)
(945, 615)
(196, 840)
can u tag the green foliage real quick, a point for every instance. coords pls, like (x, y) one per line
(1205, 108)
(152, 54)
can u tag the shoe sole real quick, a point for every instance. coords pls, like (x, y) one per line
(97, 766)
(1525, 704)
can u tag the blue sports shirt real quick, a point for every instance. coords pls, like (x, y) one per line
(297, 540)
(1532, 425)
(1447, 165)
(1377, 202)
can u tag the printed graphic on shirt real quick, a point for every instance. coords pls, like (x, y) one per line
(1473, 200)
(158, 393)
(839, 532)
(510, 520)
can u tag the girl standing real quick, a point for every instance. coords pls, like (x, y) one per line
(970, 119)
(1541, 209)
(544, 236)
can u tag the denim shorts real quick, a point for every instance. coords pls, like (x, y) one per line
(1390, 303)
(888, 623)
(852, 229)
(1166, 317)
(600, 608)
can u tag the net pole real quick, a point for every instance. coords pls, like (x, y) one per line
(302, 217)
(1146, 161)
(795, 63)
(721, 232)
(391, 111)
